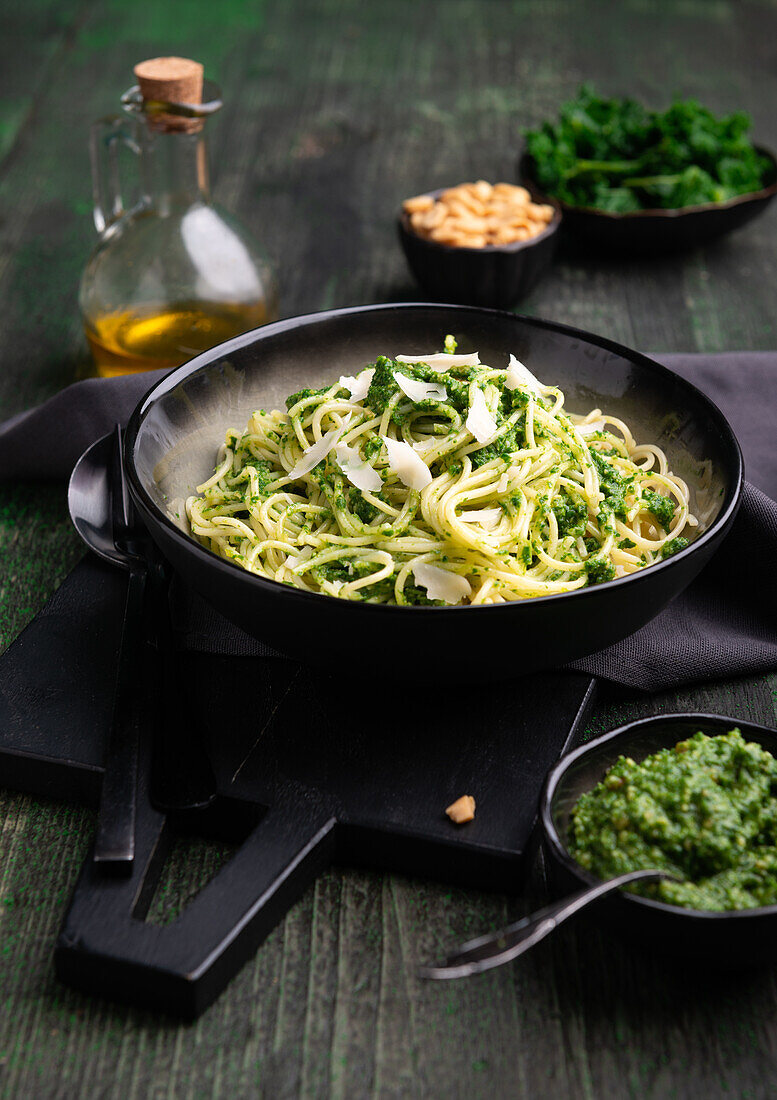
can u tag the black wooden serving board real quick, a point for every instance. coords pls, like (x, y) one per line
(310, 770)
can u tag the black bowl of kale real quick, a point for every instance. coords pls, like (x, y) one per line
(629, 179)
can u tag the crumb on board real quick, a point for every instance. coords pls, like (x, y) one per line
(462, 810)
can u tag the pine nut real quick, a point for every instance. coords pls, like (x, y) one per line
(420, 202)
(474, 215)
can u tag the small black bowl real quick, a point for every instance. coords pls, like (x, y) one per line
(496, 276)
(652, 232)
(736, 938)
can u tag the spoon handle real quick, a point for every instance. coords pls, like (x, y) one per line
(114, 847)
(496, 948)
(182, 776)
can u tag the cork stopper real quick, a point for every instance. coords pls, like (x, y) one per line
(171, 80)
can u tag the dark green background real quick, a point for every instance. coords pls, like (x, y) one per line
(335, 111)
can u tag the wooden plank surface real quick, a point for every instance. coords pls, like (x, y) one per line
(335, 111)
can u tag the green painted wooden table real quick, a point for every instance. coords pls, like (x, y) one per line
(336, 110)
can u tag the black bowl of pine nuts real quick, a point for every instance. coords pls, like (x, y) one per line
(478, 243)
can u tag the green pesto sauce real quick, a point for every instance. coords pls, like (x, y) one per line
(384, 387)
(613, 484)
(663, 508)
(705, 810)
(571, 513)
(674, 546)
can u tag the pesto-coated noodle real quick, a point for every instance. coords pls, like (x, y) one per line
(439, 480)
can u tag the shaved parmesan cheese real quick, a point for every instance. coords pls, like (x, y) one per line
(486, 517)
(504, 481)
(420, 391)
(358, 385)
(313, 455)
(591, 427)
(520, 377)
(358, 472)
(305, 554)
(440, 584)
(480, 422)
(410, 467)
(440, 360)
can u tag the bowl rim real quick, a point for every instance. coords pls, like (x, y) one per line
(558, 848)
(526, 160)
(205, 359)
(403, 221)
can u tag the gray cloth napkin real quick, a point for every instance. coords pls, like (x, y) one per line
(724, 625)
(70, 421)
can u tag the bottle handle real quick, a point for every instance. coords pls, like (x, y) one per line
(106, 138)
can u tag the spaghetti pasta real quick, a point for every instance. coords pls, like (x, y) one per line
(439, 480)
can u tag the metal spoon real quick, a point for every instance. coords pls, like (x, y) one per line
(496, 948)
(102, 515)
(98, 508)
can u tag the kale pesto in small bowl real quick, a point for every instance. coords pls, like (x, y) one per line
(694, 795)
(704, 810)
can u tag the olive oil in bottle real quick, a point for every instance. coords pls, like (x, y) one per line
(165, 337)
(174, 274)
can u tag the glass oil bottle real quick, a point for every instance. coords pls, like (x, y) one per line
(174, 274)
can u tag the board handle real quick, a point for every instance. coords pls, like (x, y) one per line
(105, 947)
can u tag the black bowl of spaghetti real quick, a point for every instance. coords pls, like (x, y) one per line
(339, 491)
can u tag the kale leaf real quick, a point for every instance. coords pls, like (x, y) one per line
(617, 156)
